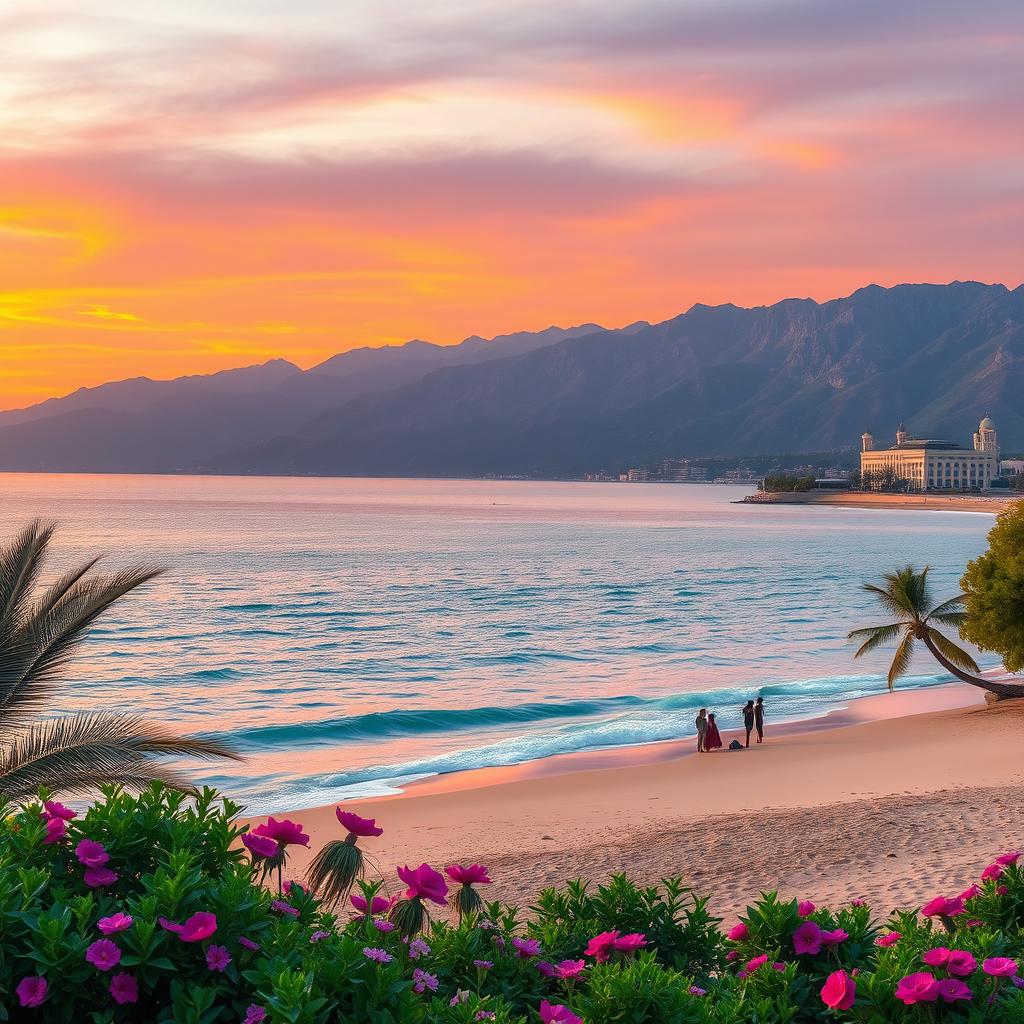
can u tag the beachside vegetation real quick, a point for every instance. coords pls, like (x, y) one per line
(41, 630)
(993, 588)
(155, 908)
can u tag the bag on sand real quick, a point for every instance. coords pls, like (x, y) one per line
(735, 745)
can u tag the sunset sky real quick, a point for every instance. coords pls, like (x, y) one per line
(194, 185)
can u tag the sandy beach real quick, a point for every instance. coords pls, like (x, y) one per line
(885, 801)
(911, 502)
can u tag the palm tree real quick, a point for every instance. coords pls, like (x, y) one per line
(907, 595)
(41, 629)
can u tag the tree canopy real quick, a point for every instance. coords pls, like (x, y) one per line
(993, 587)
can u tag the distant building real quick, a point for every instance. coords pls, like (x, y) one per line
(1011, 467)
(932, 464)
(635, 476)
(681, 470)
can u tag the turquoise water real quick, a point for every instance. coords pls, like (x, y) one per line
(354, 634)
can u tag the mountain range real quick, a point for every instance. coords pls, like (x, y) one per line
(794, 376)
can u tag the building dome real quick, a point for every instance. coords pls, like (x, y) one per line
(986, 424)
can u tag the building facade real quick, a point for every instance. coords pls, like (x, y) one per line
(932, 464)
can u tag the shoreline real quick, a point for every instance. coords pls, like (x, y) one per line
(823, 811)
(992, 505)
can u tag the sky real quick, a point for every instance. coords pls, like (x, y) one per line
(190, 186)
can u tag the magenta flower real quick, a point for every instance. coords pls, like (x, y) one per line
(91, 854)
(961, 963)
(805, 908)
(992, 872)
(630, 943)
(218, 958)
(475, 874)
(284, 908)
(953, 989)
(526, 948)
(97, 878)
(807, 938)
(570, 970)
(839, 991)
(53, 810)
(602, 946)
(31, 991)
(382, 924)
(422, 981)
(1006, 858)
(1000, 967)
(418, 948)
(319, 936)
(379, 905)
(778, 966)
(356, 826)
(889, 939)
(943, 907)
(260, 846)
(937, 957)
(103, 954)
(198, 927)
(969, 894)
(255, 1015)
(381, 956)
(557, 1014)
(917, 988)
(115, 923)
(834, 938)
(284, 833)
(425, 883)
(56, 831)
(124, 989)
(738, 932)
(758, 961)
(696, 990)
(248, 944)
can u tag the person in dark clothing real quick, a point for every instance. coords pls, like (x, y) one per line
(748, 719)
(759, 719)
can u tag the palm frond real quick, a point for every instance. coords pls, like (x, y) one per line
(74, 754)
(20, 563)
(875, 636)
(34, 658)
(953, 652)
(901, 660)
(949, 613)
(61, 588)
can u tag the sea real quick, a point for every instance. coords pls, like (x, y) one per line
(354, 635)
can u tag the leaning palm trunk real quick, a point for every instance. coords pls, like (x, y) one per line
(995, 690)
(40, 632)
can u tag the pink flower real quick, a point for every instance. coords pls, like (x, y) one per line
(418, 948)
(218, 958)
(56, 831)
(571, 969)
(888, 940)
(31, 991)
(696, 990)
(284, 908)
(91, 853)
(423, 981)
(1000, 967)
(124, 989)
(834, 938)
(839, 991)
(738, 932)
(248, 944)
(807, 938)
(381, 956)
(992, 872)
(255, 1015)
(260, 846)
(805, 908)
(382, 924)
(1001, 890)
(758, 961)
(103, 954)
(961, 963)
(115, 923)
(526, 948)
(97, 878)
(475, 874)
(942, 907)
(198, 927)
(424, 882)
(557, 1014)
(356, 826)
(733, 954)
(937, 957)
(52, 810)
(778, 966)
(602, 946)
(284, 833)
(545, 969)
(1006, 858)
(917, 988)
(952, 989)
(379, 906)
(630, 943)
(969, 894)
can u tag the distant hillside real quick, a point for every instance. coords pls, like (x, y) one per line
(795, 376)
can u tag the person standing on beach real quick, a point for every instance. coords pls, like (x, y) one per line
(712, 738)
(748, 719)
(759, 718)
(702, 730)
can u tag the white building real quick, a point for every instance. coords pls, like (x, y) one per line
(931, 464)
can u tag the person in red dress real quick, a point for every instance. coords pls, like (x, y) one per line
(713, 738)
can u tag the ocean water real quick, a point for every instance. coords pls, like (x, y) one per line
(353, 635)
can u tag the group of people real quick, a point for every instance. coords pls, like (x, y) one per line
(708, 736)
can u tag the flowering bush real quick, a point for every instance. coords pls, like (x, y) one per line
(160, 909)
